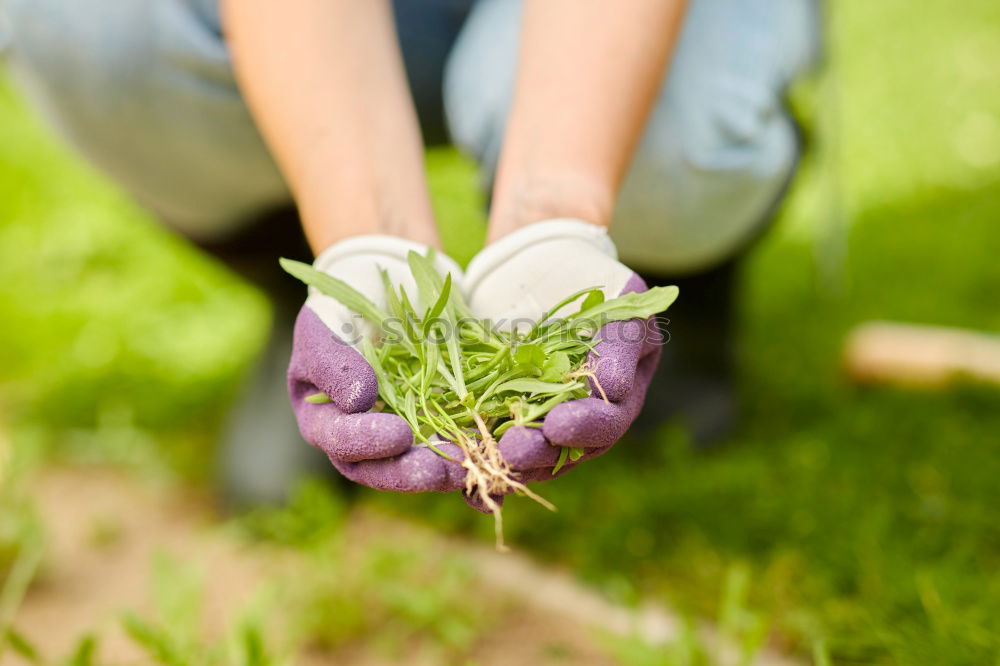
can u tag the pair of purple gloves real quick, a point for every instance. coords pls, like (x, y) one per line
(513, 280)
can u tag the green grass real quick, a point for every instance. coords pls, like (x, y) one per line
(866, 523)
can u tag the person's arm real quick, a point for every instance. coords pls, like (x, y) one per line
(325, 82)
(588, 75)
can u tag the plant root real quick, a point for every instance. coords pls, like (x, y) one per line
(591, 373)
(489, 475)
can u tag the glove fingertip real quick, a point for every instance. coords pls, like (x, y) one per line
(357, 437)
(322, 360)
(455, 472)
(622, 345)
(587, 423)
(615, 357)
(418, 470)
(635, 284)
(357, 392)
(527, 448)
(612, 379)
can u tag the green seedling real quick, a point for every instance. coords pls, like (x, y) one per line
(453, 377)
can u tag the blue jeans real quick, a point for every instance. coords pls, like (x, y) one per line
(145, 90)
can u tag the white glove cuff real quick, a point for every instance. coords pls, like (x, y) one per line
(358, 261)
(500, 252)
(375, 246)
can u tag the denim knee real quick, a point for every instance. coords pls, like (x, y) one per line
(145, 91)
(711, 164)
(718, 147)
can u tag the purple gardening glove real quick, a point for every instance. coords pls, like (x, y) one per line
(373, 449)
(518, 278)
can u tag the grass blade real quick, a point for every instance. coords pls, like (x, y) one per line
(336, 289)
(455, 356)
(19, 577)
(637, 305)
(429, 283)
(85, 651)
(155, 642)
(563, 456)
(20, 646)
(439, 305)
(563, 303)
(385, 386)
(536, 386)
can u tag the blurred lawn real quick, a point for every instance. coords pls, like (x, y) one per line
(867, 520)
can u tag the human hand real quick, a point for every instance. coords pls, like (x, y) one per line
(373, 449)
(521, 276)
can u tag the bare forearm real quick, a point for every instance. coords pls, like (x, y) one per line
(325, 82)
(589, 74)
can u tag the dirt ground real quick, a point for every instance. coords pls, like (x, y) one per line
(104, 530)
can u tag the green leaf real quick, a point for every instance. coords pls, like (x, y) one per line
(537, 411)
(395, 306)
(405, 317)
(573, 453)
(536, 386)
(637, 305)
(407, 305)
(439, 305)
(455, 355)
(502, 428)
(530, 355)
(336, 289)
(498, 379)
(385, 386)
(429, 283)
(409, 409)
(494, 408)
(560, 305)
(593, 299)
(482, 373)
(424, 270)
(563, 455)
(318, 399)
(432, 355)
(556, 367)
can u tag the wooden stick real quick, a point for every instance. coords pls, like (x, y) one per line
(921, 356)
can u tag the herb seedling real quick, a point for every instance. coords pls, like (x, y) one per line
(454, 377)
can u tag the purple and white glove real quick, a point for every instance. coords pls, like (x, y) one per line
(516, 280)
(373, 449)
